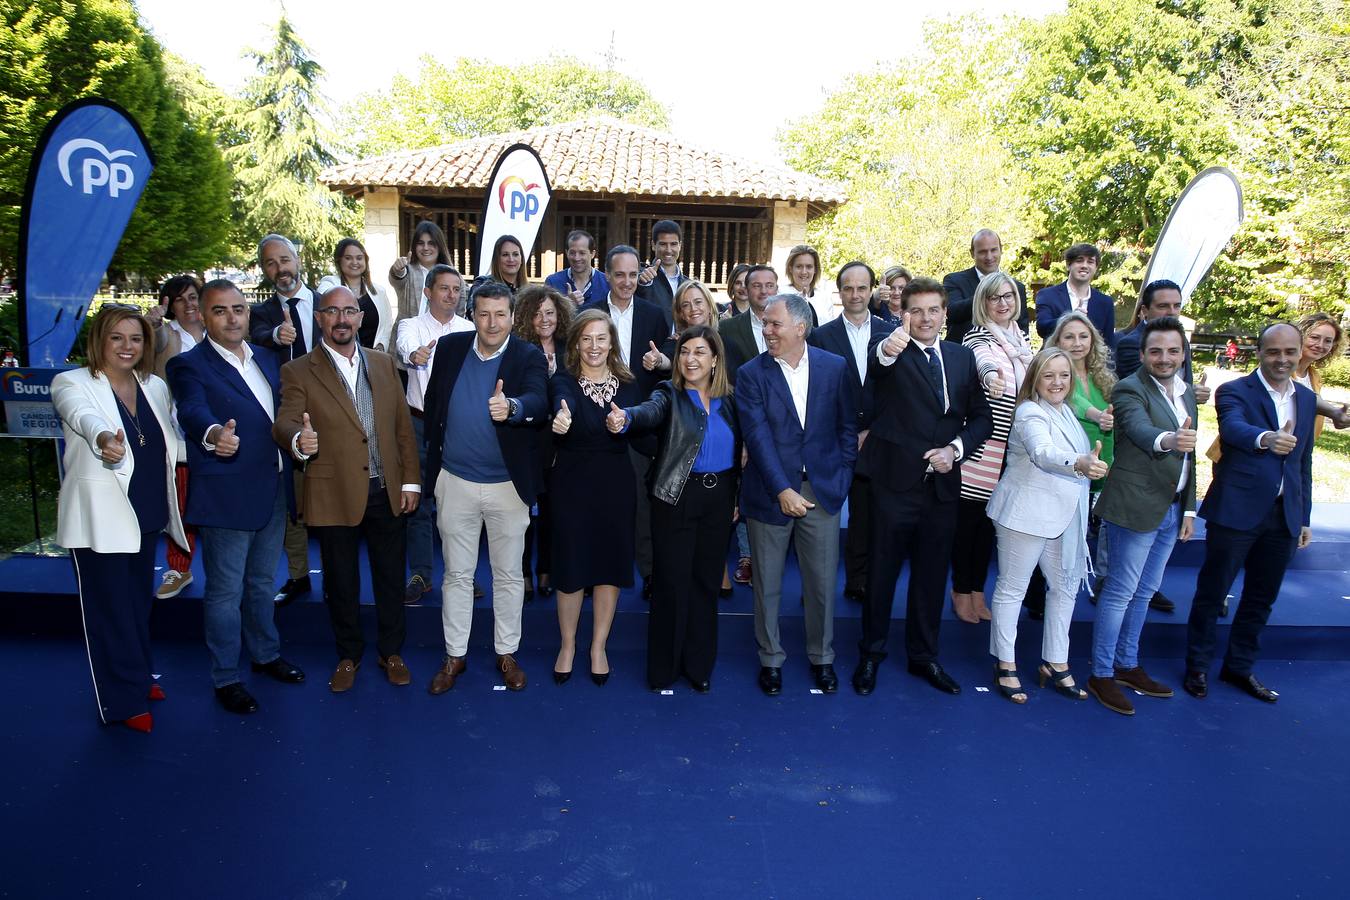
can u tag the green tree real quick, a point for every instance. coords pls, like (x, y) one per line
(53, 52)
(284, 145)
(918, 149)
(474, 98)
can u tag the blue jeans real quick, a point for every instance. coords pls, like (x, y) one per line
(422, 523)
(241, 568)
(1138, 559)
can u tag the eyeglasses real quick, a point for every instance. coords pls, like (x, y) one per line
(1001, 298)
(346, 312)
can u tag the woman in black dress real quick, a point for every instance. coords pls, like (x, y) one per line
(694, 481)
(353, 272)
(591, 487)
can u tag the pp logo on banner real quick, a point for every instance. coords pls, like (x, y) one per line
(95, 172)
(522, 201)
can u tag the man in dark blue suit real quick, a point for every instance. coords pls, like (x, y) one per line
(931, 413)
(1077, 292)
(986, 250)
(226, 392)
(658, 282)
(848, 336)
(797, 421)
(1258, 509)
(642, 329)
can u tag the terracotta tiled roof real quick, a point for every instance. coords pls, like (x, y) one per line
(594, 156)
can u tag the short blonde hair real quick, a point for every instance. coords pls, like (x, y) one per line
(685, 287)
(110, 315)
(988, 285)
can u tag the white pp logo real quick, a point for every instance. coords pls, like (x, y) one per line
(95, 172)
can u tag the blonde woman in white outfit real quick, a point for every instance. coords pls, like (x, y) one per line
(1040, 511)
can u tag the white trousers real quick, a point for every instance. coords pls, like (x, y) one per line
(463, 508)
(1018, 555)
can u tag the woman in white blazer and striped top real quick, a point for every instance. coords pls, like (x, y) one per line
(1040, 511)
(117, 495)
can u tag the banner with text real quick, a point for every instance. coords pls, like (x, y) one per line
(516, 201)
(87, 174)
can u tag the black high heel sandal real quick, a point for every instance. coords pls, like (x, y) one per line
(1012, 693)
(1072, 691)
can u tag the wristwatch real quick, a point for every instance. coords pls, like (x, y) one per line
(512, 407)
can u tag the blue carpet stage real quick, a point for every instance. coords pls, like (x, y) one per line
(616, 792)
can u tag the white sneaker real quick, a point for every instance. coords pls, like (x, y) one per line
(173, 584)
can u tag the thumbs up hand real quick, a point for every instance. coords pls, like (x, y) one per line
(562, 419)
(1281, 442)
(1181, 440)
(309, 438)
(1107, 420)
(1341, 417)
(499, 408)
(226, 441)
(617, 420)
(1202, 390)
(112, 447)
(422, 355)
(654, 358)
(286, 330)
(155, 314)
(1090, 465)
(898, 339)
(995, 385)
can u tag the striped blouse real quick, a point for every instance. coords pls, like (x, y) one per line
(980, 473)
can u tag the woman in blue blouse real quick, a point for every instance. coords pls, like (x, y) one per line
(693, 486)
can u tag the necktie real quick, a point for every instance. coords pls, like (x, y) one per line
(935, 373)
(298, 348)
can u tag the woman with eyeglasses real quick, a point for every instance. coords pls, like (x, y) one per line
(353, 272)
(117, 495)
(1001, 357)
(178, 326)
(886, 302)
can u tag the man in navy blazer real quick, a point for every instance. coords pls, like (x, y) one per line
(848, 336)
(1258, 509)
(1077, 292)
(226, 392)
(986, 249)
(641, 328)
(486, 395)
(797, 421)
(931, 413)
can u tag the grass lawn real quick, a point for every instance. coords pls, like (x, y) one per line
(1331, 455)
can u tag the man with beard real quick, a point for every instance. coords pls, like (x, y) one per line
(285, 324)
(344, 416)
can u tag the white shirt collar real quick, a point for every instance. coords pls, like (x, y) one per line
(229, 355)
(1289, 388)
(342, 360)
(500, 350)
(632, 301)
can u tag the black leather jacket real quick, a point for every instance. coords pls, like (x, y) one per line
(680, 424)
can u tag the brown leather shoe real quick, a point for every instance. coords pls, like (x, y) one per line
(1137, 679)
(343, 676)
(396, 670)
(1111, 696)
(444, 679)
(512, 674)
(744, 573)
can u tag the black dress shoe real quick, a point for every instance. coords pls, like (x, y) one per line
(545, 590)
(282, 671)
(865, 676)
(294, 587)
(561, 677)
(826, 680)
(236, 699)
(1196, 684)
(1161, 603)
(1249, 684)
(932, 673)
(701, 687)
(724, 593)
(855, 596)
(771, 680)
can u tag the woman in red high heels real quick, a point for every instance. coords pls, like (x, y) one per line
(116, 497)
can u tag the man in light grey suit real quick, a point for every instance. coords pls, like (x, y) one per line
(1147, 504)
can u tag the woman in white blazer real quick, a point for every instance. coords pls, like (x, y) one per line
(1040, 512)
(117, 495)
(353, 272)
